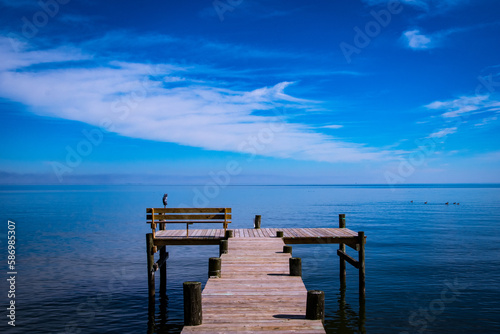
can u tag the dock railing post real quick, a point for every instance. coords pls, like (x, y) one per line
(342, 248)
(287, 249)
(223, 247)
(258, 219)
(192, 303)
(151, 260)
(295, 264)
(315, 306)
(214, 267)
(361, 260)
(279, 234)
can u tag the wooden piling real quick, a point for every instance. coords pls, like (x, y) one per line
(214, 267)
(192, 303)
(223, 247)
(257, 221)
(151, 261)
(163, 268)
(361, 260)
(295, 266)
(315, 306)
(287, 249)
(342, 248)
(229, 234)
(279, 234)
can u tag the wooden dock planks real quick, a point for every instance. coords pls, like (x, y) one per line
(255, 293)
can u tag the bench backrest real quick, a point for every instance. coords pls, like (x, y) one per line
(187, 216)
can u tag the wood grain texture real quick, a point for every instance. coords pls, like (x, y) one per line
(255, 293)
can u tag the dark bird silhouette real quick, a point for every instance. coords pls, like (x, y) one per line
(447, 203)
(454, 202)
(425, 202)
(411, 201)
(165, 200)
(458, 203)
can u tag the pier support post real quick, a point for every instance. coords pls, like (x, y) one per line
(279, 234)
(192, 303)
(229, 234)
(361, 260)
(295, 266)
(287, 249)
(342, 248)
(214, 266)
(151, 260)
(257, 221)
(315, 307)
(223, 247)
(163, 268)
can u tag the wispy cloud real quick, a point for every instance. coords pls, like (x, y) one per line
(465, 105)
(152, 101)
(416, 40)
(443, 132)
(333, 126)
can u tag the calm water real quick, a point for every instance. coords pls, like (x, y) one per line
(431, 268)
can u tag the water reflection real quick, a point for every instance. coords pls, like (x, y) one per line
(345, 320)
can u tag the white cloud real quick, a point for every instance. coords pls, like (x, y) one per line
(333, 126)
(443, 132)
(416, 40)
(136, 100)
(465, 105)
(486, 121)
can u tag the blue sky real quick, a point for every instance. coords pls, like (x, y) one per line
(249, 92)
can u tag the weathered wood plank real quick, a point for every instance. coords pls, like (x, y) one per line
(252, 300)
(188, 210)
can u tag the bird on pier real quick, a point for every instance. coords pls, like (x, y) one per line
(454, 202)
(447, 203)
(165, 200)
(425, 202)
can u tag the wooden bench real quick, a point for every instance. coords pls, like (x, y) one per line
(187, 216)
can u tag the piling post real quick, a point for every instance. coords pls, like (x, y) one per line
(223, 247)
(214, 267)
(163, 268)
(279, 234)
(342, 248)
(229, 234)
(151, 261)
(295, 264)
(315, 306)
(257, 221)
(192, 303)
(361, 260)
(287, 249)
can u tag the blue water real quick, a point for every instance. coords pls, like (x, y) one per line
(81, 262)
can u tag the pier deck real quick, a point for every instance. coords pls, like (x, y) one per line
(255, 293)
(290, 236)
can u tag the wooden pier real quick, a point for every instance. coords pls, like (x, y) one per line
(252, 286)
(255, 292)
